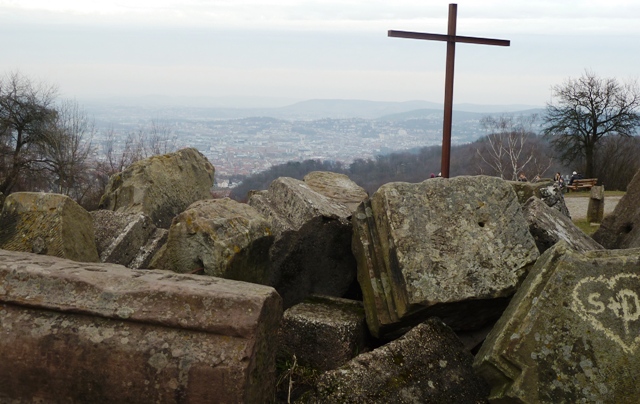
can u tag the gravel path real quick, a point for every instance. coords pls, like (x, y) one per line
(578, 205)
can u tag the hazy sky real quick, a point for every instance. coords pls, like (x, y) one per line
(297, 49)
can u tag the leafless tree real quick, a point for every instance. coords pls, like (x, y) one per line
(589, 109)
(511, 148)
(66, 150)
(26, 112)
(137, 145)
(161, 139)
(617, 159)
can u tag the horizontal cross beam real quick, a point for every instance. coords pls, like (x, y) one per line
(447, 38)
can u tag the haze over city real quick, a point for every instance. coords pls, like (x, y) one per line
(269, 53)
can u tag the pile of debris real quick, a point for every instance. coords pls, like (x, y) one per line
(466, 290)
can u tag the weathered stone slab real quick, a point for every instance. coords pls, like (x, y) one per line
(427, 365)
(571, 333)
(160, 186)
(312, 250)
(289, 204)
(621, 228)
(338, 187)
(50, 224)
(323, 332)
(120, 236)
(146, 253)
(454, 248)
(547, 191)
(103, 333)
(548, 226)
(595, 210)
(218, 237)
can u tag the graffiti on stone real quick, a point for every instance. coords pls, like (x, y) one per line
(612, 306)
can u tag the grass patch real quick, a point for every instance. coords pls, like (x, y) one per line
(614, 193)
(586, 227)
(293, 380)
(585, 194)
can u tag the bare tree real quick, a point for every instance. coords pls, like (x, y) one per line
(119, 156)
(26, 111)
(66, 149)
(137, 145)
(161, 139)
(511, 148)
(617, 159)
(588, 109)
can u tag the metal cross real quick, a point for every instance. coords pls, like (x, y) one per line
(451, 40)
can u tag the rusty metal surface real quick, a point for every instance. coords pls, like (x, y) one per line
(445, 38)
(451, 38)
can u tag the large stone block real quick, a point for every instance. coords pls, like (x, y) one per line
(102, 333)
(571, 333)
(595, 211)
(289, 204)
(454, 248)
(547, 191)
(218, 237)
(50, 224)
(146, 253)
(338, 187)
(312, 250)
(121, 236)
(160, 186)
(548, 226)
(426, 365)
(621, 228)
(323, 332)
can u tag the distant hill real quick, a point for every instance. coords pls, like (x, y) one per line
(492, 109)
(430, 114)
(317, 109)
(303, 110)
(458, 115)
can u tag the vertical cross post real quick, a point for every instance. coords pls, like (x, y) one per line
(445, 161)
(451, 38)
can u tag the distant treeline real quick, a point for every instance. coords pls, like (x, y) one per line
(617, 157)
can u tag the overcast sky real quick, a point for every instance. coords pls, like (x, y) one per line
(295, 49)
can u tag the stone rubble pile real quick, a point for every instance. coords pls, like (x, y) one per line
(465, 290)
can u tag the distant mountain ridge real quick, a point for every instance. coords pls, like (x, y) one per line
(303, 110)
(458, 115)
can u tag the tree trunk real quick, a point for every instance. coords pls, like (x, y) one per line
(588, 154)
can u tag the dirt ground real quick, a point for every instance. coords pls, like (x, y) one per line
(578, 205)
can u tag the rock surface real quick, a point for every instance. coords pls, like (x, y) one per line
(121, 236)
(49, 224)
(312, 250)
(150, 249)
(548, 226)
(160, 186)
(621, 228)
(595, 211)
(102, 333)
(289, 204)
(445, 247)
(426, 365)
(323, 332)
(337, 187)
(571, 333)
(218, 237)
(545, 191)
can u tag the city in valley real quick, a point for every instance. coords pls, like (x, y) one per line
(241, 146)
